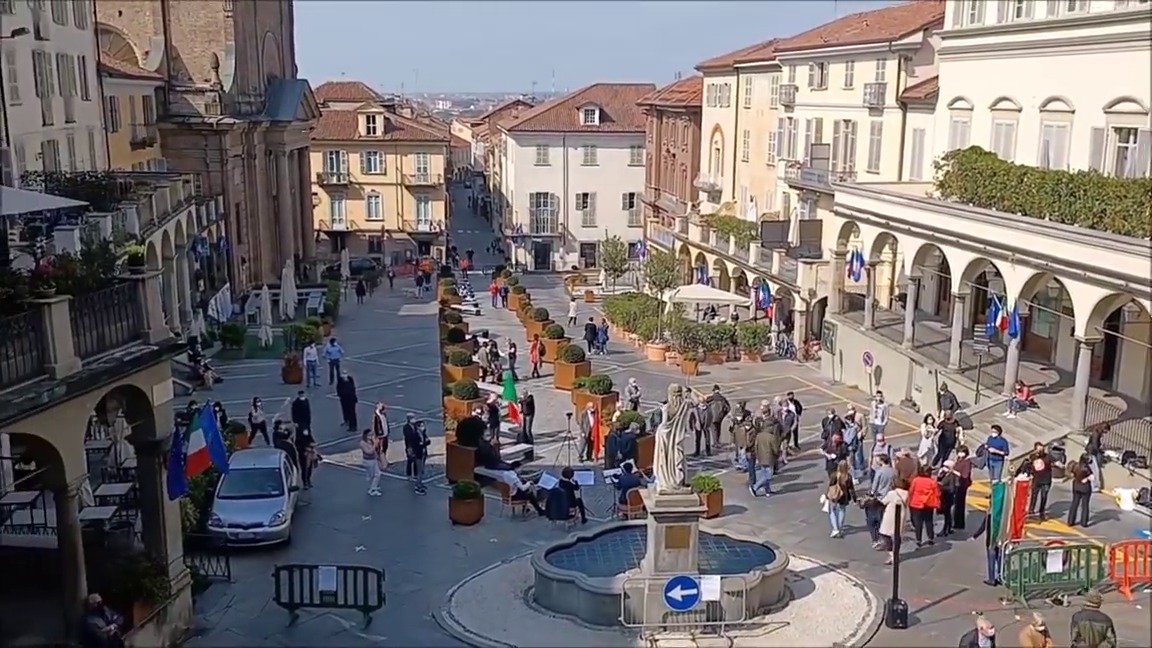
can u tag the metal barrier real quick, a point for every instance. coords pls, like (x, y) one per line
(1130, 564)
(1030, 569)
(328, 587)
(644, 604)
(207, 558)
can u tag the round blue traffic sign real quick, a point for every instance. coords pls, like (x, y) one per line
(868, 359)
(681, 593)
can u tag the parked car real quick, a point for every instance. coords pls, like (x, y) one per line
(357, 266)
(255, 502)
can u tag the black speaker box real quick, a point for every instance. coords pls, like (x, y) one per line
(896, 614)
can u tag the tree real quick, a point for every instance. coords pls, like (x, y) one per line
(614, 259)
(661, 274)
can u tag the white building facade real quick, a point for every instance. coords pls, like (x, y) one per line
(54, 109)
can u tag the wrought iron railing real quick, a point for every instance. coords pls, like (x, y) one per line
(423, 179)
(106, 319)
(21, 348)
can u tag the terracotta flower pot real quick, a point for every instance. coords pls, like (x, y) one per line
(689, 367)
(603, 403)
(715, 357)
(467, 512)
(240, 439)
(751, 356)
(533, 328)
(645, 450)
(292, 372)
(589, 296)
(672, 359)
(656, 352)
(460, 409)
(455, 374)
(326, 330)
(713, 503)
(552, 349)
(565, 373)
(514, 302)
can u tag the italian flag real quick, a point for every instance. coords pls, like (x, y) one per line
(1007, 508)
(512, 399)
(597, 437)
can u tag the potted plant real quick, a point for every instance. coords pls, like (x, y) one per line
(655, 348)
(40, 283)
(296, 337)
(553, 340)
(453, 319)
(459, 366)
(597, 390)
(450, 294)
(690, 363)
(524, 313)
(137, 259)
(711, 494)
(570, 365)
(516, 295)
(752, 338)
(141, 584)
(466, 503)
(716, 340)
(464, 398)
(316, 323)
(232, 335)
(589, 296)
(456, 338)
(539, 321)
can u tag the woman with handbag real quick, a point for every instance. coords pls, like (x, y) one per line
(897, 498)
(924, 500)
(839, 495)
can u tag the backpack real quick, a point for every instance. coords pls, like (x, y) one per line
(835, 492)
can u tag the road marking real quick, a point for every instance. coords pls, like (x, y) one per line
(389, 365)
(414, 345)
(821, 388)
(982, 502)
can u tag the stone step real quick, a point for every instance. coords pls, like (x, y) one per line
(181, 387)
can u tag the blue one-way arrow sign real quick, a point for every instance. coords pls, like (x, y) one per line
(681, 593)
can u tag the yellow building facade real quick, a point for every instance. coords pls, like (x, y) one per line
(130, 102)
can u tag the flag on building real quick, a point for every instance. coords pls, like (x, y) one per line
(764, 296)
(510, 397)
(992, 321)
(1012, 328)
(855, 265)
(177, 458)
(204, 444)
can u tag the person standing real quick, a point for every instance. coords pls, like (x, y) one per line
(1038, 466)
(391, 274)
(839, 494)
(798, 409)
(996, 447)
(494, 293)
(949, 482)
(407, 432)
(333, 353)
(504, 296)
(701, 421)
(371, 460)
(982, 636)
(883, 479)
(895, 502)
(1036, 634)
(311, 366)
(765, 445)
(346, 392)
(587, 426)
(718, 410)
(572, 311)
(300, 411)
(924, 500)
(946, 400)
(602, 337)
(1081, 473)
(1092, 628)
(416, 450)
(535, 355)
(492, 416)
(257, 422)
(632, 395)
(949, 435)
(878, 415)
(308, 455)
(512, 353)
(528, 416)
(361, 291)
(963, 470)
(590, 335)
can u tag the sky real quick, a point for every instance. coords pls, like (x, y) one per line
(483, 46)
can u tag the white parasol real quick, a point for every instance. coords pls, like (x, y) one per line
(265, 333)
(198, 327)
(345, 265)
(603, 279)
(750, 212)
(288, 294)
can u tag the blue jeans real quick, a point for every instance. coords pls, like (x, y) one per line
(878, 429)
(312, 374)
(995, 470)
(1016, 405)
(494, 298)
(993, 557)
(836, 516)
(333, 371)
(763, 475)
(857, 458)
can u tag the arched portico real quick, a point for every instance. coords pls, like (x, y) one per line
(720, 276)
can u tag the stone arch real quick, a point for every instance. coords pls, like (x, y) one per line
(30, 448)
(152, 256)
(1057, 104)
(720, 272)
(179, 234)
(960, 103)
(888, 267)
(848, 234)
(684, 256)
(1005, 103)
(1047, 311)
(1126, 105)
(129, 400)
(167, 250)
(981, 279)
(934, 268)
(1105, 306)
(740, 284)
(716, 140)
(117, 45)
(271, 57)
(1120, 359)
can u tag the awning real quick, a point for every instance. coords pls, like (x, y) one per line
(701, 294)
(14, 202)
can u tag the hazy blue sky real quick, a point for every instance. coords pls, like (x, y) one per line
(505, 46)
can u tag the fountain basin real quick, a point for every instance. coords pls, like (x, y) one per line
(595, 576)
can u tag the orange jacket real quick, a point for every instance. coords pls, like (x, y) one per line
(924, 493)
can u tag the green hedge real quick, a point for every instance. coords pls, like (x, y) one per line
(736, 228)
(1082, 198)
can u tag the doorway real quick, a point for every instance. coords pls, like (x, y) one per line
(588, 255)
(541, 255)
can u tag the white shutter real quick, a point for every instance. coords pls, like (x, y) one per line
(811, 75)
(875, 144)
(1003, 10)
(773, 142)
(1053, 8)
(363, 162)
(837, 142)
(343, 161)
(1143, 158)
(806, 152)
(780, 137)
(1096, 143)
(850, 132)
(592, 206)
(958, 9)
(916, 155)
(818, 130)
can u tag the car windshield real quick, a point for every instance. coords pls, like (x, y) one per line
(251, 483)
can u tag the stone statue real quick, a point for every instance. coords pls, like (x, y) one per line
(668, 462)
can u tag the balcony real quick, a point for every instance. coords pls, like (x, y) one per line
(875, 95)
(144, 136)
(423, 180)
(788, 94)
(802, 176)
(544, 224)
(332, 178)
(341, 224)
(709, 183)
(422, 226)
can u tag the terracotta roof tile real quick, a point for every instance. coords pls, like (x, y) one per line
(726, 61)
(618, 111)
(460, 142)
(344, 126)
(503, 110)
(113, 67)
(876, 26)
(684, 93)
(345, 91)
(763, 53)
(925, 90)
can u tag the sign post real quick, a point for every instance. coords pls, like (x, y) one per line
(869, 362)
(681, 593)
(981, 345)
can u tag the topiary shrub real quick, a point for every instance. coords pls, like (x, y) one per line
(541, 315)
(465, 390)
(452, 318)
(450, 291)
(518, 289)
(466, 490)
(554, 332)
(505, 273)
(447, 281)
(703, 483)
(446, 390)
(572, 354)
(598, 384)
(460, 358)
(455, 336)
(753, 336)
(628, 417)
(512, 282)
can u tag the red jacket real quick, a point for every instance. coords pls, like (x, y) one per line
(534, 353)
(924, 493)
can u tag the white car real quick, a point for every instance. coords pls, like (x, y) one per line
(255, 502)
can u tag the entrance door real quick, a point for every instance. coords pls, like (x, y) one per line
(588, 255)
(541, 255)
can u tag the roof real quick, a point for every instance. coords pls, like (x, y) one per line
(687, 92)
(256, 458)
(460, 142)
(726, 61)
(868, 27)
(345, 91)
(344, 126)
(113, 67)
(618, 111)
(508, 106)
(761, 54)
(925, 90)
(290, 100)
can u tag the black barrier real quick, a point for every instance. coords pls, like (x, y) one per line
(328, 587)
(207, 558)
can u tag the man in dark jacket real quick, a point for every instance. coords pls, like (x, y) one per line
(790, 400)
(301, 411)
(416, 453)
(701, 417)
(590, 334)
(982, 636)
(718, 408)
(1092, 628)
(946, 400)
(346, 391)
(101, 627)
(528, 415)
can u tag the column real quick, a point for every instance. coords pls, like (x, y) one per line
(168, 283)
(264, 262)
(151, 301)
(284, 210)
(184, 292)
(799, 330)
(307, 224)
(869, 296)
(1083, 381)
(958, 309)
(70, 544)
(836, 292)
(294, 198)
(159, 517)
(913, 298)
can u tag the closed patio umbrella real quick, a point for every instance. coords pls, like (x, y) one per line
(288, 293)
(345, 265)
(265, 333)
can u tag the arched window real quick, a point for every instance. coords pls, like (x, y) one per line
(959, 123)
(1123, 147)
(1056, 114)
(1005, 121)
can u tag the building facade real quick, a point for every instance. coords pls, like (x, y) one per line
(380, 184)
(494, 204)
(130, 122)
(672, 161)
(757, 106)
(573, 174)
(51, 90)
(235, 115)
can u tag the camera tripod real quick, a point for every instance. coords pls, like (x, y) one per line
(567, 448)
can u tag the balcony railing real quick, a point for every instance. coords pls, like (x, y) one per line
(788, 94)
(662, 236)
(709, 183)
(807, 177)
(338, 225)
(21, 348)
(144, 136)
(423, 179)
(106, 319)
(875, 94)
(424, 226)
(331, 178)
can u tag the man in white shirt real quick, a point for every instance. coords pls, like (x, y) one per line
(311, 365)
(878, 416)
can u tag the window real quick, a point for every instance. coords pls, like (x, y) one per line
(422, 166)
(806, 148)
(542, 155)
(636, 155)
(50, 155)
(710, 95)
(1122, 151)
(1004, 140)
(771, 157)
(793, 124)
(590, 116)
(786, 138)
(916, 154)
(371, 125)
(1054, 146)
(774, 91)
(630, 203)
(7, 7)
(148, 109)
(875, 145)
(21, 160)
(12, 77)
(373, 207)
(1070, 7)
(85, 86)
(818, 76)
(725, 95)
(133, 116)
(590, 158)
(747, 92)
(849, 75)
(424, 211)
(375, 244)
(542, 207)
(336, 161)
(791, 74)
(1013, 10)
(93, 155)
(959, 133)
(586, 205)
(881, 71)
(80, 13)
(60, 12)
(337, 211)
(66, 74)
(843, 146)
(745, 145)
(372, 163)
(73, 163)
(112, 119)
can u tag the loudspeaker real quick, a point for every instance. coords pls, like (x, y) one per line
(896, 614)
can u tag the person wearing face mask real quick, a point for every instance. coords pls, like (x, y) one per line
(346, 391)
(996, 450)
(308, 455)
(982, 636)
(257, 422)
(1036, 634)
(102, 627)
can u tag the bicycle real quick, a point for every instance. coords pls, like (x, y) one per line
(785, 348)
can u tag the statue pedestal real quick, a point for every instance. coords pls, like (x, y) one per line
(673, 533)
